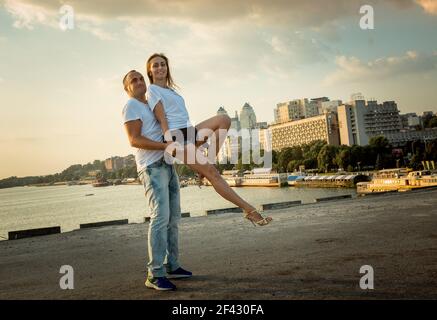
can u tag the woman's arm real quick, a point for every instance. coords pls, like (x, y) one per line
(160, 116)
(136, 140)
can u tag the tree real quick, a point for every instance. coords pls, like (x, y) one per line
(285, 156)
(433, 122)
(326, 157)
(381, 147)
(343, 159)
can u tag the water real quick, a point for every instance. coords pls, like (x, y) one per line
(67, 206)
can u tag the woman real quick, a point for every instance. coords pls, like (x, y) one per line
(170, 111)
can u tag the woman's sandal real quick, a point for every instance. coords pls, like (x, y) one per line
(261, 222)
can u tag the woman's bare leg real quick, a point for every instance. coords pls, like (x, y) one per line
(208, 170)
(217, 127)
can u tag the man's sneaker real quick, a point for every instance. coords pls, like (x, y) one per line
(179, 273)
(160, 283)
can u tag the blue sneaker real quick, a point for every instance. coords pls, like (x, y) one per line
(179, 273)
(160, 283)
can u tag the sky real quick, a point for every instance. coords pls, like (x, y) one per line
(61, 94)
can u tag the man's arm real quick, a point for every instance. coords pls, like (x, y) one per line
(160, 116)
(136, 140)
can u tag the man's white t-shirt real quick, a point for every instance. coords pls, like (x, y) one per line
(174, 106)
(136, 110)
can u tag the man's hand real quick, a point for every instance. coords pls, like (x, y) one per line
(173, 147)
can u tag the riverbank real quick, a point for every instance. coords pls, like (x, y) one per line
(312, 251)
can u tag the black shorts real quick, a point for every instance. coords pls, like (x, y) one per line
(188, 134)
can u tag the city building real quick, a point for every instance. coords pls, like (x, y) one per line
(351, 123)
(402, 137)
(295, 133)
(235, 122)
(330, 106)
(319, 102)
(411, 121)
(246, 120)
(382, 119)
(359, 121)
(297, 109)
(114, 164)
(247, 117)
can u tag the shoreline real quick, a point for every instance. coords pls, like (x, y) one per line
(313, 251)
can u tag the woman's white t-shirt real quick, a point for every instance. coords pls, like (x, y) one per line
(174, 106)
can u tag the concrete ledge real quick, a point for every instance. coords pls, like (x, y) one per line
(183, 215)
(103, 224)
(345, 196)
(280, 205)
(21, 234)
(225, 210)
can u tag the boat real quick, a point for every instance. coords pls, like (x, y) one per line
(329, 181)
(391, 180)
(293, 178)
(258, 177)
(263, 177)
(101, 183)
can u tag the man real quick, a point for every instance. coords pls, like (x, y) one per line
(161, 185)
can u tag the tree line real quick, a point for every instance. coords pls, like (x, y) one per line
(316, 156)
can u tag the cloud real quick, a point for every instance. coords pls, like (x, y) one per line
(200, 52)
(94, 16)
(109, 83)
(352, 69)
(430, 6)
(29, 14)
(313, 13)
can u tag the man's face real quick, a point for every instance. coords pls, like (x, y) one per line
(135, 85)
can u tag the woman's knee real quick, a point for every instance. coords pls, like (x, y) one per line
(225, 121)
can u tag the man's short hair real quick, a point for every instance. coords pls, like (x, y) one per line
(125, 77)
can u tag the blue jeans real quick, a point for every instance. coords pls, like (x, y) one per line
(161, 185)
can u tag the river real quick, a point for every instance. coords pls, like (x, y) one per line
(69, 206)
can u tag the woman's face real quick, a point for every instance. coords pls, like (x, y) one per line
(158, 68)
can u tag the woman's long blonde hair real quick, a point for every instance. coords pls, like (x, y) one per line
(170, 83)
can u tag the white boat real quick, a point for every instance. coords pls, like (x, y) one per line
(263, 177)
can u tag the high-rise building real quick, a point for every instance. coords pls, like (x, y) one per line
(222, 111)
(330, 106)
(288, 111)
(382, 118)
(358, 121)
(351, 123)
(247, 117)
(295, 133)
(319, 102)
(297, 109)
(114, 163)
(235, 122)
